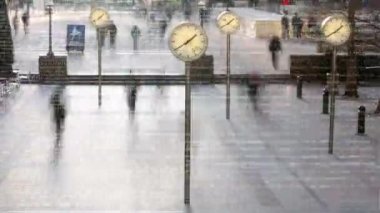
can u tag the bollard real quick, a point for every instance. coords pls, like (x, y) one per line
(299, 86)
(361, 120)
(325, 101)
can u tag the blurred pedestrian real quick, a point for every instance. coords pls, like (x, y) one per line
(299, 27)
(256, 2)
(59, 117)
(274, 48)
(15, 22)
(132, 98)
(285, 25)
(254, 82)
(163, 26)
(187, 12)
(311, 23)
(59, 111)
(169, 13)
(295, 25)
(25, 21)
(113, 31)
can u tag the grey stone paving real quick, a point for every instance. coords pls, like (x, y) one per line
(272, 158)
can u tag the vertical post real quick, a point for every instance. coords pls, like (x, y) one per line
(228, 82)
(99, 67)
(361, 120)
(187, 133)
(299, 86)
(325, 101)
(351, 88)
(50, 53)
(332, 101)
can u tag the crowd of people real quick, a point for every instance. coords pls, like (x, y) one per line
(297, 25)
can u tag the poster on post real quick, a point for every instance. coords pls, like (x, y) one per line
(75, 38)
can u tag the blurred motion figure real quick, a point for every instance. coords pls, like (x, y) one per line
(274, 48)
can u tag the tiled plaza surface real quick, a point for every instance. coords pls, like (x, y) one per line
(269, 157)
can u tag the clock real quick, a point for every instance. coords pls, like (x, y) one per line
(228, 22)
(99, 16)
(336, 30)
(188, 41)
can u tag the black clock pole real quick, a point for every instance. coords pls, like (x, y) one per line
(99, 66)
(187, 132)
(332, 101)
(228, 82)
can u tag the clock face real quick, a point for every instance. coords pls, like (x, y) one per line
(228, 22)
(99, 16)
(188, 41)
(336, 30)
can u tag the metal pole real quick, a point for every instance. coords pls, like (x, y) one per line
(50, 53)
(332, 101)
(99, 68)
(228, 82)
(187, 133)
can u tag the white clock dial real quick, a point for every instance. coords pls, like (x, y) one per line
(99, 16)
(336, 30)
(188, 42)
(228, 22)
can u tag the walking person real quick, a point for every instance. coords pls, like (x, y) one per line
(59, 117)
(59, 111)
(113, 31)
(295, 25)
(311, 24)
(285, 25)
(254, 82)
(299, 27)
(25, 21)
(15, 22)
(274, 48)
(132, 98)
(163, 26)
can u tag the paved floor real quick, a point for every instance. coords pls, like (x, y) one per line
(268, 158)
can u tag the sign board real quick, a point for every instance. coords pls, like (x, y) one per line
(75, 38)
(52, 67)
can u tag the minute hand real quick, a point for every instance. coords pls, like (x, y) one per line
(335, 31)
(188, 41)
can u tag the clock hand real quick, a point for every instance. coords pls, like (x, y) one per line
(100, 17)
(186, 42)
(228, 23)
(335, 31)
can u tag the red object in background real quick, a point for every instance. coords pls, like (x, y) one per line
(285, 2)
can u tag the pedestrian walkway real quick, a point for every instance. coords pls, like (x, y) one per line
(269, 159)
(247, 55)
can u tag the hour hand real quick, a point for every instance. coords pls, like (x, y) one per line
(99, 17)
(341, 26)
